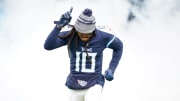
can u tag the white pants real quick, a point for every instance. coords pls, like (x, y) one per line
(90, 94)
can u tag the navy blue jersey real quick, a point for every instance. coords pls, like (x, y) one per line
(86, 57)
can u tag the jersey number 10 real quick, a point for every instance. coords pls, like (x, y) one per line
(83, 62)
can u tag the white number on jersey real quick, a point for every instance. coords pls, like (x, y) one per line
(83, 62)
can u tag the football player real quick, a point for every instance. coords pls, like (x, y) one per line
(85, 42)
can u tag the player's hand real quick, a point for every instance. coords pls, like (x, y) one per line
(109, 75)
(65, 19)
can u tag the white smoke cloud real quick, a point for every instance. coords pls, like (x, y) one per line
(148, 71)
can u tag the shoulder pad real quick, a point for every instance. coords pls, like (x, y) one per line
(104, 29)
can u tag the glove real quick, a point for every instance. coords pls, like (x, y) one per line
(65, 19)
(109, 75)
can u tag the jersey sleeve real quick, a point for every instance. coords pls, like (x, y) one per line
(113, 43)
(53, 41)
(117, 46)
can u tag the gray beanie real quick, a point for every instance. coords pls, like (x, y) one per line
(85, 23)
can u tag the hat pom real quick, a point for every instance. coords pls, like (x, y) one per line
(87, 12)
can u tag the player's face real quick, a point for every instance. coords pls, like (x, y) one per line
(85, 37)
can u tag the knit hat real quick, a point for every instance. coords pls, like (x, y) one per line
(85, 23)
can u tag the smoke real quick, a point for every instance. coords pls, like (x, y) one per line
(149, 69)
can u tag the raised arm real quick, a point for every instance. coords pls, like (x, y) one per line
(52, 40)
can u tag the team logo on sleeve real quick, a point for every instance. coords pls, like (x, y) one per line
(82, 83)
